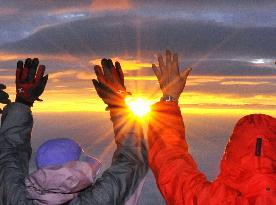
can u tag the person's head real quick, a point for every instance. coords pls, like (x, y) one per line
(60, 151)
(63, 170)
(250, 154)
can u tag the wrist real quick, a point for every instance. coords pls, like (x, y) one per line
(23, 101)
(168, 98)
(116, 114)
(116, 106)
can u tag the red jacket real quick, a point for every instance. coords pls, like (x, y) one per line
(244, 179)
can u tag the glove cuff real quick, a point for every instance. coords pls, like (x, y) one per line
(23, 101)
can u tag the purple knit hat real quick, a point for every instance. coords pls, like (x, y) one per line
(62, 150)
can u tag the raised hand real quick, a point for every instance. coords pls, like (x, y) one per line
(4, 97)
(30, 81)
(110, 83)
(171, 80)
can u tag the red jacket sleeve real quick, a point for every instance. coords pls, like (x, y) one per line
(176, 173)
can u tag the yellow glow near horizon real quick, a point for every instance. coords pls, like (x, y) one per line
(125, 63)
(139, 106)
(61, 95)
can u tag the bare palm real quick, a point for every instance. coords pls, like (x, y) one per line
(171, 81)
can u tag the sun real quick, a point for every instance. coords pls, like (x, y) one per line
(139, 106)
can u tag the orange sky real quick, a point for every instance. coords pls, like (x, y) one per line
(72, 91)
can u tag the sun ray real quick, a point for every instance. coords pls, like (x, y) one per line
(139, 106)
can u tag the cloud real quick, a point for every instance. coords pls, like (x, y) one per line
(215, 67)
(120, 35)
(7, 77)
(45, 5)
(244, 83)
(29, 16)
(207, 5)
(110, 5)
(7, 11)
(228, 87)
(4, 70)
(236, 87)
(62, 74)
(34, 5)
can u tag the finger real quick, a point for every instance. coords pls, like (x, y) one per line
(168, 61)
(26, 68)
(44, 81)
(185, 73)
(98, 88)
(120, 72)
(156, 72)
(19, 70)
(114, 74)
(2, 86)
(161, 63)
(40, 72)
(110, 63)
(28, 63)
(33, 69)
(106, 70)
(175, 64)
(99, 73)
(24, 74)
(40, 87)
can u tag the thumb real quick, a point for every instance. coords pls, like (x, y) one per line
(98, 88)
(185, 73)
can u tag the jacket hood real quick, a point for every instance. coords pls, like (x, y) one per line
(60, 183)
(249, 161)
